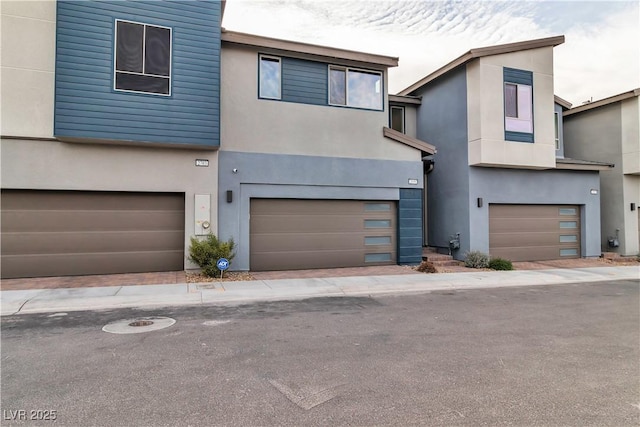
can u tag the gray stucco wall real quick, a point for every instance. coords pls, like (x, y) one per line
(442, 120)
(596, 135)
(302, 177)
(513, 186)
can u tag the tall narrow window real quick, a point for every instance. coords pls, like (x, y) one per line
(518, 105)
(397, 118)
(142, 58)
(355, 88)
(556, 117)
(270, 77)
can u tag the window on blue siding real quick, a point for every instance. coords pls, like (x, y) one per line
(355, 88)
(142, 58)
(270, 77)
(518, 105)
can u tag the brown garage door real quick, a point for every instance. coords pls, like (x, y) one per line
(534, 232)
(60, 233)
(291, 234)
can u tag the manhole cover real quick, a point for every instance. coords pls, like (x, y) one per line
(136, 326)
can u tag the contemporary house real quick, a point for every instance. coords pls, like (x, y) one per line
(608, 130)
(130, 126)
(110, 131)
(310, 173)
(501, 182)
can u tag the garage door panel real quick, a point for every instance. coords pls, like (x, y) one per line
(42, 221)
(534, 232)
(314, 223)
(79, 242)
(301, 234)
(51, 233)
(534, 253)
(533, 225)
(83, 200)
(87, 264)
(497, 240)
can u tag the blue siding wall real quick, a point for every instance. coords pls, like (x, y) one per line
(86, 105)
(305, 82)
(410, 226)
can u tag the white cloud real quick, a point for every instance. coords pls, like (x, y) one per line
(600, 57)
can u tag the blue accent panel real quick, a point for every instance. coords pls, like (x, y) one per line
(518, 136)
(511, 75)
(304, 81)
(410, 226)
(86, 104)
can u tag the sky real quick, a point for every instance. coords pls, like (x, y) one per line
(600, 56)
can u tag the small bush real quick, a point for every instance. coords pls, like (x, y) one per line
(426, 267)
(476, 259)
(208, 251)
(500, 264)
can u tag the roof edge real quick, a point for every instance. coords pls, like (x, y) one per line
(481, 52)
(310, 49)
(575, 164)
(407, 140)
(603, 102)
(562, 102)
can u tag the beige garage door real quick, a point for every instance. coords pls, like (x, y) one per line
(289, 234)
(60, 233)
(534, 232)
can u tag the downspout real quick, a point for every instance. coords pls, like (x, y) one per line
(428, 164)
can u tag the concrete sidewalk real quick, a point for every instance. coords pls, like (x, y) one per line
(110, 297)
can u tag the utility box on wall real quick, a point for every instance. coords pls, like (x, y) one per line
(202, 214)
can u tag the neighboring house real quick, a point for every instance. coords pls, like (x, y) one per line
(501, 183)
(608, 130)
(310, 174)
(109, 109)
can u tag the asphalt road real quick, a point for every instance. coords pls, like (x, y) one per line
(538, 356)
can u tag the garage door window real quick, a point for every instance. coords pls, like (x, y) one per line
(568, 238)
(568, 224)
(568, 252)
(377, 207)
(377, 223)
(377, 240)
(568, 211)
(385, 257)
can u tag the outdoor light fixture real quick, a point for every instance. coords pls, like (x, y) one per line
(633, 206)
(594, 191)
(479, 202)
(229, 196)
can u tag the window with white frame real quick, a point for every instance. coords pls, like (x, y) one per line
(270, 77)
(518, 105)
(357, 88)
(396, 119)
(142, 58)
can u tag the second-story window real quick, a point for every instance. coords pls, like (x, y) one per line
(518, 105)
(355, 88)
(270, 77)
(142, 58)
(556, 117)
(396, 119)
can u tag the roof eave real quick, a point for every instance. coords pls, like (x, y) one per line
(324, 52)
(481, 52)
(603, 102)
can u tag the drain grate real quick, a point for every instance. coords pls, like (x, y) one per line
(136, 326)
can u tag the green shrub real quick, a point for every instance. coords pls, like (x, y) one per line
(500, 264)
(476, 259)
(207, 251)
(426, 267)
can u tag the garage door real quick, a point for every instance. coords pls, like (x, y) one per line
(61, 233)
(534, 232)
(291, 234)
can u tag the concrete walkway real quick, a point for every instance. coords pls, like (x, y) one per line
(111, 297)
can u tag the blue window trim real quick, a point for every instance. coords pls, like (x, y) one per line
(522, 77)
